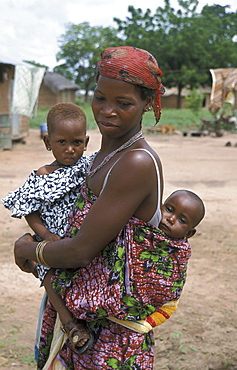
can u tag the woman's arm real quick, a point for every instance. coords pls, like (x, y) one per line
(131, 184)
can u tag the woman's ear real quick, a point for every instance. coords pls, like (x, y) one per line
(149, 103)
(147, 108)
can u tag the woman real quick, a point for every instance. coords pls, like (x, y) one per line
(118, 207)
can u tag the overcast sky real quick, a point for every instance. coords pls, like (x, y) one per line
(29, 29)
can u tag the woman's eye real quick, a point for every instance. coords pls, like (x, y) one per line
(99, 98)
(124, 105)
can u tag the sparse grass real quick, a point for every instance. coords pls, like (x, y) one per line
(12, 354)
(36, 121)
(28, 360)
(181, 119)
(176, 335)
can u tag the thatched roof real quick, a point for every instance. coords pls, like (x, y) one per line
(56, 82)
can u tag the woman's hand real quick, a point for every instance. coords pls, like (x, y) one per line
(24, 264)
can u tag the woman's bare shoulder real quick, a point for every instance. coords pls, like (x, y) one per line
(135, 162)
(139, 157)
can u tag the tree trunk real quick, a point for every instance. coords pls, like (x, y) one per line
(86, 96)
(87, 88)
(179, 97)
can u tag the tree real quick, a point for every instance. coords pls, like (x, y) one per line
(220, 35)
(138, 30)
(185, 43)
(165, 34)
(80, 49)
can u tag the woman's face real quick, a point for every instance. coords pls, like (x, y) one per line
(117, 107)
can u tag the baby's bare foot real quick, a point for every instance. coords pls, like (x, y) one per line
(78, 334)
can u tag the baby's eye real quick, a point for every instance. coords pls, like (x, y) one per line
(77, 142)
(169, 209)
(182, 221)
(61, 141)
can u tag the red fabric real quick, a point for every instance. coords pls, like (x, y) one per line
(150, 321)
(135, 66)
(165, 314)
(139, 269)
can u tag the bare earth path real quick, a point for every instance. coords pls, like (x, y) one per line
(202, 333)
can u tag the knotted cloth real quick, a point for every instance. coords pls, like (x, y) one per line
(135, 66)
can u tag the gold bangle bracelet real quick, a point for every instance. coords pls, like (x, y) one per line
(39, 253)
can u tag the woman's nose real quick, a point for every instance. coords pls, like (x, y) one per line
(108, 110)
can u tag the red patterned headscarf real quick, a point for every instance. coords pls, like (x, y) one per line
(135, 66)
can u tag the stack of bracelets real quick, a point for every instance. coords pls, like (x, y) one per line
(39, 253)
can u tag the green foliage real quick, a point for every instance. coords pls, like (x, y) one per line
(80, 49)
(138, 30)
(194, 101)
(187, 44)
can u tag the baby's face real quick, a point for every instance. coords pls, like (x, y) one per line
(178, 215)
(68, 142)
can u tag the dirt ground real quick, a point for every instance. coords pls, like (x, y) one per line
(202, 334)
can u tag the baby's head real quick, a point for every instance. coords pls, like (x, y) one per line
(66, 133)
(181, 212)
(65, 112)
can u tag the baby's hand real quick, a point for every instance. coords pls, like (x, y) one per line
(51, 237)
